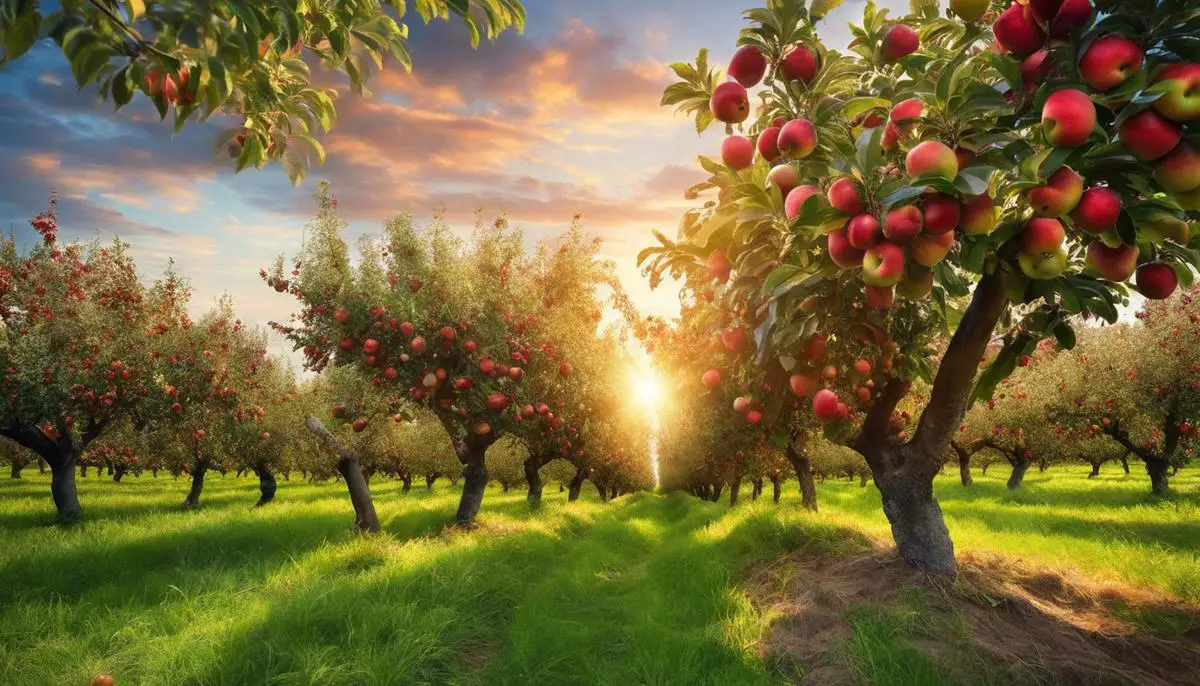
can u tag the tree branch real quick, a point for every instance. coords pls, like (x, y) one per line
(318, 429)
(875, 427)
(1120, 436)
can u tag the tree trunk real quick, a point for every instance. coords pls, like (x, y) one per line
(475, 480)
(803, 467)
(776, 488)
(199, 469)
(83, 471)
(984, 468)
(62, 489)
(576, 484)
(533, 477)
(110, 469)
(716, 493)
(917, 524)
(1043, 463)
(266, 485)
(504, 486)
(1095, 470)
(119, 473)
(42, 466)
(964, 464)
(15, 471)
(154, 472)
(862, 479)
(1020, 465)
(1125, 463)
(407, 481)
(603, 493)
(429, 479)
(365, 518)
(735, 489)
(758, 488)
(1157, 469)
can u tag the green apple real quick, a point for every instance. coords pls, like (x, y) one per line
(1042, 266)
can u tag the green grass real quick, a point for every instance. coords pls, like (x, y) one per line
(645, 590)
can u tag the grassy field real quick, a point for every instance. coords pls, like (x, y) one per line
(646, 590)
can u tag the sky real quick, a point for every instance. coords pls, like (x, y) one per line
(560, 120)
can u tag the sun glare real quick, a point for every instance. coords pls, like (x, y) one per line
(648, 388)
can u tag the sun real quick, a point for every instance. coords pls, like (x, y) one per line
(648, 387)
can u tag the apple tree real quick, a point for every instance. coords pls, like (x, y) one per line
(944, 185)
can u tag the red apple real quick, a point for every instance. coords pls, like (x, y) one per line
(407, 329)
(1115, 264)
(928, 250)
(768, 143)
(978, 215)
(1098, 210)
(905, 113)
(565, 369)
(797, 139)
(359, 425)
(370, 346)
(737, 152)
(1150, 135)
(106, 680)
(799, 64)
(734, 339)
(899, 41)
(342, 316)
(1018, 32)
(447, 333)
(825, 406)
(730, 103)
(802, 386)
(747, 66)
(903, 224)
(741, 404)
(794, 203)
(1179, 172)
(1068, 118)
(417, 345)
(845, 195)
(1072, 15)
(1034, 70)
(496, 402)
(1042, 236)
(390, 373)
(1059, 196)
(1156, 281)
(711, 379)
(880, 298)
(941, 213)
(883, 265)
(931, 158)
(841, 252)
(1180, 86)
(1109, 61)
(487, 365)
(753, 417)
(718, 266)
(863, 231)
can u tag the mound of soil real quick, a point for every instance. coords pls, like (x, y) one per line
(998, 622)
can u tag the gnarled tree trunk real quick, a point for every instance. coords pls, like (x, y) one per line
(757, 488)
(576, 484)
(1157, 470)
(716, 492)
(17, 465)
(735, 489)
(407, 481)
(602, 491)
(266, 485)
(199, 469)
(964, 464)
(1020, 465)
(365, 518)
(1095, 469)
(1125, 463)
(119, 473)
(776, 488)
(429, 479)
(533, 477)
(803, 467)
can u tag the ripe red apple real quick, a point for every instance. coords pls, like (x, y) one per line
(891, 137)
(1042, 236)
(845, 195)
(903, 224)
(342, 316)
(406, 328)
(482, 429)
(447, 333)
(753, 417)
(931, 158)
(797, 139)
(417, 345)
(414, 284)
(1180, 86)
(1068, 118)
(565, 369)
(1150, 135)
(730, 103)
(883, 265)
(718, 265)
(825, 406)
(862, 367)
(802, 386)
(978, 215)
(339, 411)
(1156, 281)
(177, 408)
(390, 373)
(768, 144)
(799, 64)
(905, 113)
(794, 202)
(941, 213)
(515, 373)
(1034, 70)
(1072, 15)
(880, 298)
(737, 152)
(785, 177)
(734, 339)
(496, 402)
(1109, 61)
(1059, 196)
(1115, 264)
(370, 346)
(487, 365)
(470, 346)
(863, 231)
(1179, 171)
(928, 249)
(711, 379)
(841, 252)
(346, 344)
(899, 41)
(747, 66)
(1098, 210)
(1018, 32)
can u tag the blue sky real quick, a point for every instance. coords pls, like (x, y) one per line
(561, 120)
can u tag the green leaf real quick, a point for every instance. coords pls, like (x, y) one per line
(120, 88)
(1065, 335)
(779, 276)
(19, 35)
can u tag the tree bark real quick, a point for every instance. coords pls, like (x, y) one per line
(83, 471)
(429, 479)
(984, 468)
(1020, 465)
(602, 491)
(365, 518)
(803, 467)
(776, 488)
(1157, 470)
(1095, 470)
(716, 492)
(62, 489)
(119, 473)
(918, 526)
(735, 488)
(1125, 463)
(533, 477)
(475, 480)
(17, 465)
(199, 469)
(407, 481)
(758, 488)
(576, 484)
(266, 485)
(862, 479)
(110, 469)
(964, 464)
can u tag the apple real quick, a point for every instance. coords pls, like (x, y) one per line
(1180, 85)
(802, 386)
(737, 152)
(741, 404)
(785, 177)
(1042, 236)
(880, 298)
(1059, 196)
(496, 402)
(1068, 118)
(941, 213)
(799, 64)
(862, 367)
(917, 284)
(515, 373)
(1098, 210)
(414, 284)
(106, 680)
(339, 411)
(903, 224)
(1045, 265)
(1072, 15)
(1150, 135)
(794, 203)
(1115, 264)
(1156, 281)
(931, 158)
(346, 344)
(1163, 227)
(734, 339)
(342, 316)
(1018, 32)
(978, 215)
(417, 345)
(406, 328)
(753, 417)
(370, 346)
(487, 365)
(905, 113)
(768, 143)
(1179, 171)
(199, 434)
(1109, 61)
(845, 195)
(815, 346)
(797, 139)
(841, 252)
(891, 137)
(900, 40)
(482, 429)
(863, 231)
(718, 266)
(730, 103)
(883, 265)
(747, 66)
(930, 249)
(825, 406)
(1035, 69)
(969, 10)
(470, 346)
(711, 379)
